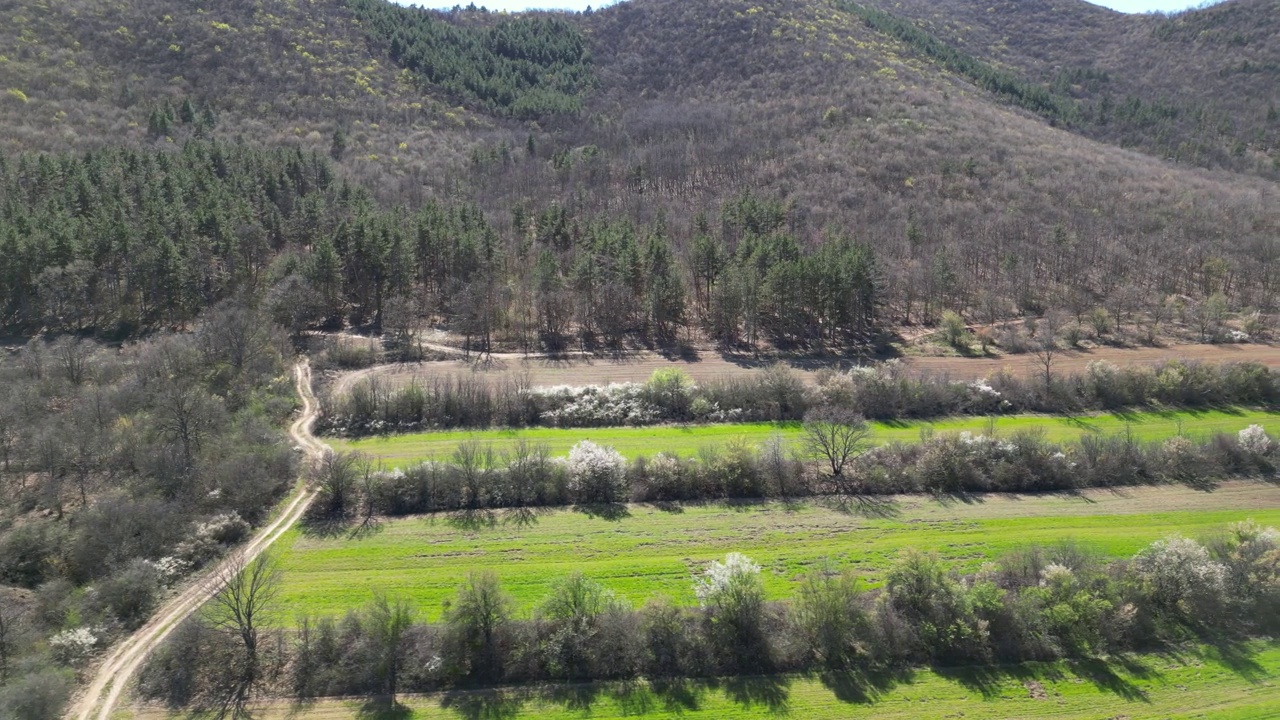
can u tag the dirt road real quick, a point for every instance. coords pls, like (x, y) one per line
(637, 367)
(113, 675)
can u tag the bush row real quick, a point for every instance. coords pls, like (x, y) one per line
(886, 391)
(1039, 603)
(477, 477)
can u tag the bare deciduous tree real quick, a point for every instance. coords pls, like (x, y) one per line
(338, 477)
(248, 588)
(1046, 354)
(835, 435)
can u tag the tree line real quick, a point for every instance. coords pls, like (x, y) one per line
(833, 457)
(122, 241)
(1035, 603)
(886, 391)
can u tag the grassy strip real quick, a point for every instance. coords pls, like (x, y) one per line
(1194, 683)
(653, 551)
(405, 450)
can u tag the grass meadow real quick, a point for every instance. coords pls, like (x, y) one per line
(1198, 682)
(405, 450)
(651, 550)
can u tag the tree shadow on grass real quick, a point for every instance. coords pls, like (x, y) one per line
(483, 704)
(1236, 656)
(383, 708)
(1103, 675)
(678, 695)
(579, 697)
(958, 497)
(613, 512)
(523, 517)
(990, 681)
(325, 528)
(472, 520)
(861, 687)
(875, 507)
(773, 692)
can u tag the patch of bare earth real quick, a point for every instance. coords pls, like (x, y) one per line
(708, 366)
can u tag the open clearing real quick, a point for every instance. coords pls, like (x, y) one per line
(705, 365)
(654, 551)
(405, 450)
(1195, 683)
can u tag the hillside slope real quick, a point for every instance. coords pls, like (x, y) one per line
(1199, 86)
(731, 119)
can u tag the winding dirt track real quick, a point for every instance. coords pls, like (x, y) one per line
(113, 675)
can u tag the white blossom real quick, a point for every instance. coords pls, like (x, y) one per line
(720, 577)
(1254, 439)
(74, 646)
(1177, 569)
(982, 387)
(596, 473)
(1054, 573)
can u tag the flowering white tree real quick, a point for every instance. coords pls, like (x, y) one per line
(1254, 439)
(74, 646)
(597, 474)
(1178, 573)
(733, 595)
(737, 574)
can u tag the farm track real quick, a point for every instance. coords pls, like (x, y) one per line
(113, 674)
(579, 369)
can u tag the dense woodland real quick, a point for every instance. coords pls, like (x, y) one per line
(122, 470)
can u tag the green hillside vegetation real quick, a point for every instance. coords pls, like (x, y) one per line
(526, 67)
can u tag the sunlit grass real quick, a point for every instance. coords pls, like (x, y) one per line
(404, 450)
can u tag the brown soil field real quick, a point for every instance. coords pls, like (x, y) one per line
(704, 366)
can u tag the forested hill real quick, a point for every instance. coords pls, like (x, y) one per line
(701, 163)
(1200, 87)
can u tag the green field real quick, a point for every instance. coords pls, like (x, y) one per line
(1196, 683)
(405, 450)
(654, 551)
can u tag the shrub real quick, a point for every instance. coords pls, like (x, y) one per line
(670, 390)
(1254, 439)
(130, 595)
(596, 405)
(477, 629)
(935, 605)
(597, 474)
(37, 696)
(733, 596)
(670, 641)
(1177, 575)
(664, 478)
(74, 647)
(832, 618)
(572, 615)
(954, 332)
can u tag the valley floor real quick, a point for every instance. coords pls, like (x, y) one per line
(686, 440)
(651, 550)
